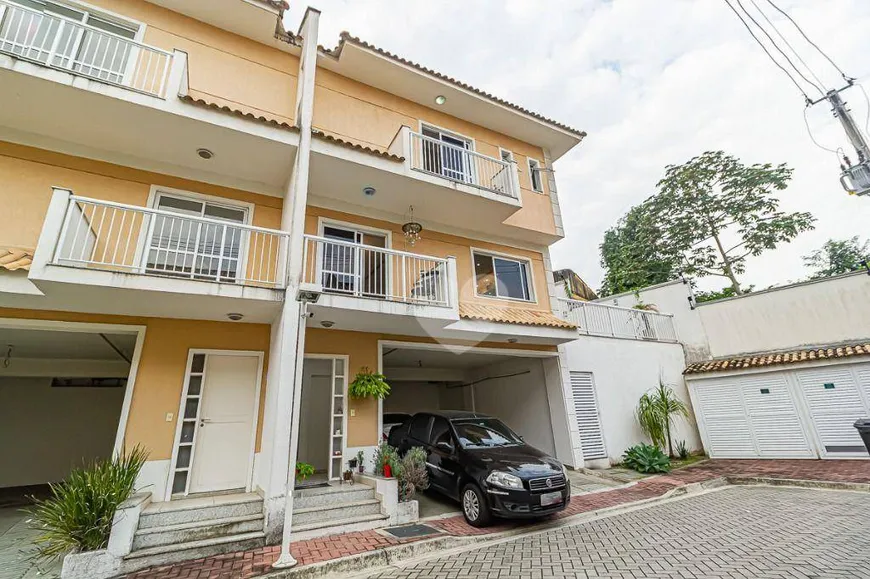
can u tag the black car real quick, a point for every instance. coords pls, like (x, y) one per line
(478, 461)
(392, 420)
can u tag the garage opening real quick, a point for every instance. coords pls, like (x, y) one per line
(508, 386)
(61, 394)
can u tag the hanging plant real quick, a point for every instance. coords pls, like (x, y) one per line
(369, 384)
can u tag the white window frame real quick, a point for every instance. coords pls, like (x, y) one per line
(469, 172)
(154, 194)
(529, 161)
(324, 222)
(525, 262)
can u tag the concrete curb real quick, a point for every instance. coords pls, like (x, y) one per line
(799, 483)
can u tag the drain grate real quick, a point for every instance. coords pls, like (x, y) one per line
(409, 531)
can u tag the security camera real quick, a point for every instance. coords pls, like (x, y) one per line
(308, 315)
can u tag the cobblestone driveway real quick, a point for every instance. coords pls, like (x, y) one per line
(756, 532)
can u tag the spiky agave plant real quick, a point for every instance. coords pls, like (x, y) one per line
(78, 514)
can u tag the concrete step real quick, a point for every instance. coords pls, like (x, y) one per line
(196, 531)
(168, 554)
(196, 510)
(335, 526)
(336, 511)
(316, 497)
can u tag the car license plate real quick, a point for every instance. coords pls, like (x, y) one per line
(548, 499)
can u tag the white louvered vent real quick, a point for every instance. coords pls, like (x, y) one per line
(588, 420)
(774, 417)
(725, 419)
(835, 403)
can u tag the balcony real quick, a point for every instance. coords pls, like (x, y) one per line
(83, 50)
(359, 283)
(109, 257)
(595, 319)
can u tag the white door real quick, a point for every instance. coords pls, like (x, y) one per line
(835, 400)
(588, 419)
(751, 416)
(224, 438)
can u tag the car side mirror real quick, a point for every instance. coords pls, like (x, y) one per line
(445, 446)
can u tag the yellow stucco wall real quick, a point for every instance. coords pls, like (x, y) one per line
(27, 176)
(368, 115)
(442, 245)
(160, 378)
(362, 351)
(223, 67)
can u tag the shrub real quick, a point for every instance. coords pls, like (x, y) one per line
(646, 458)
(78, 514)
(682, 450)
(386, 454)
(303, 471)
(412, 474)
(655, 414)
(368, 383)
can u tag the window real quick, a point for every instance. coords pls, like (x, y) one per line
(440, 432)
(485, 433)
(448, 159)
(191, 248)
(535, 176)
(350, 266)
(502, 277)
(506, 156)
(68, 37)
(420, 427)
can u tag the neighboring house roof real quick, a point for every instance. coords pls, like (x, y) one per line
(13, 259)
(764, 360)
(577, 288)
(346, 37)
(512, 316)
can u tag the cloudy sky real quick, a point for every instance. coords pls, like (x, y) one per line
(653, 82)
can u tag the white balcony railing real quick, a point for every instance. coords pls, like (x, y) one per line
(458, 164)
(342, 267)
(604, 320)
(81, 49)
(103, 235)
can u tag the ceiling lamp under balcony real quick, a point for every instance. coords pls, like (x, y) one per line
(412, 229)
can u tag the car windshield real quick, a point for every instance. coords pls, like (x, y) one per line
(484, 433)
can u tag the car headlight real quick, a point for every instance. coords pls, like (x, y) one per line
(504, 480)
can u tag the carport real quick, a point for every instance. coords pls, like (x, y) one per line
(63, 390)
(521, 387)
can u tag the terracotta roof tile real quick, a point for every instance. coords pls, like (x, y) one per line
(237, 112)
(357, 146)
(14, 258)
(508, 315)
(347, 37)
(763, 360)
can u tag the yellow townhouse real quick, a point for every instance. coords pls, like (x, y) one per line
(210, 225)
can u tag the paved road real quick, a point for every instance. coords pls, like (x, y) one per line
(745, 532)
(16, 549)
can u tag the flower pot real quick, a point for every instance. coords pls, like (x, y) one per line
(388, 471)
(362, 468)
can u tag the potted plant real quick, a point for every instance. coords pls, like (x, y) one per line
(351, 463)
(369, 384)
(361, 461)
(386, 460)
(348, 476)
(303, 471)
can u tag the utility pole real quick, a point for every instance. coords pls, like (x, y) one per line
(855, 177)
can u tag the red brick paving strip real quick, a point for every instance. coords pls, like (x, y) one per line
(246, 564)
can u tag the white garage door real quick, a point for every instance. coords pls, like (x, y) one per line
(836, 397)
(751, 416)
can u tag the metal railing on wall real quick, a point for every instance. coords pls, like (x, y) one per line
(596, 319)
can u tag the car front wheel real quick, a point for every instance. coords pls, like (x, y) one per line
(474, 506)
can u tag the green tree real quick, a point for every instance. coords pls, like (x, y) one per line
(837, 256)
(725, 292)
(631, 254)
(714, 201)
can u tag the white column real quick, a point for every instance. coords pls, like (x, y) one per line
(290, 330)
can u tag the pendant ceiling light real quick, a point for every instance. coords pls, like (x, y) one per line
(412, 229)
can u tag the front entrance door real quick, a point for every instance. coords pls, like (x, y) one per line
(215, 442)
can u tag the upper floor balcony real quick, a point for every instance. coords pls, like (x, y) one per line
(594, 319)
(59, 36)
(183, 259)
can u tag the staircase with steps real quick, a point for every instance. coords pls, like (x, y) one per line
(196, 527)
(321, 511)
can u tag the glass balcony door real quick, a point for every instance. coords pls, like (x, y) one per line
(354, 266)
(451, 159)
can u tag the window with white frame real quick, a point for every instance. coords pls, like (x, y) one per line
(535, 177)
(70, 36)
(502, 277)
(444, 153)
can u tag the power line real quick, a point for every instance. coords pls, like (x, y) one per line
(789, 46)
(776, 46)
(764, 48)
(807, 38)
